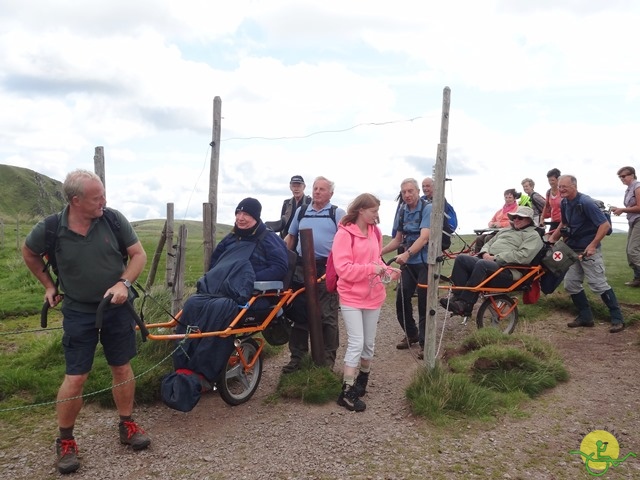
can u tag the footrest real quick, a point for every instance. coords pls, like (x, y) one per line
(267, 285)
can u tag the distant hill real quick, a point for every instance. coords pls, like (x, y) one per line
(27, 194)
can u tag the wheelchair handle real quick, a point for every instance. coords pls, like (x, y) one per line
(390, 261)
(144, 333)
(43, 314)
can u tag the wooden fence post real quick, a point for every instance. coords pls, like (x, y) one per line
(171, 248)
(178, 283)
(435, 240)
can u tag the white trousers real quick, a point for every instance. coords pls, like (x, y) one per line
(361, 325)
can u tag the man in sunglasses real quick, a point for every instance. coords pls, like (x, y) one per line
(517, 244)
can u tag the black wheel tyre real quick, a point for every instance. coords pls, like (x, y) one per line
(488, 315)
(236, 385)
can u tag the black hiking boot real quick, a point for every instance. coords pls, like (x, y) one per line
(361, 383)
(349, 399)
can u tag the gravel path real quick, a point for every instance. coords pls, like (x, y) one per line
(290, 440)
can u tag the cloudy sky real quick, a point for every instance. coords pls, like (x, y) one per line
(351, 90)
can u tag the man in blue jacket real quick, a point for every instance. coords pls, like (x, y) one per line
(584, 226)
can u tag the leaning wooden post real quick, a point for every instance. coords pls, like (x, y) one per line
(170, 264)
(434, 257)
(178, 283)
(156, 258)
(314, 320)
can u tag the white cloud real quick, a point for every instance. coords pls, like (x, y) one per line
(534, 86)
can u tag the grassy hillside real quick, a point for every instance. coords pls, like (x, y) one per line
(27, 195)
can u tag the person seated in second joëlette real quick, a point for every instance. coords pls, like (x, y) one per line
(518, 244)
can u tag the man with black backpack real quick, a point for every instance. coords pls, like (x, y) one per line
(322, 218)
(411, 224)
(90, 267)
(583, 226)
(290, 205)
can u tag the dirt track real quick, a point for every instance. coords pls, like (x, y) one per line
(289, 440)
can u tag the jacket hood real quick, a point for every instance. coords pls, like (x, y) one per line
(354, 230)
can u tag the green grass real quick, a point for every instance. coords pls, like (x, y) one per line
(311, 384)
(489, 374)
(23, 355)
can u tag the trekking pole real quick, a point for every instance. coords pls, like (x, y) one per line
(43, 314)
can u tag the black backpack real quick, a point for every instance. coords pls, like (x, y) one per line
(446, 227)
(51, 224)
(586, 227)
(332, 214)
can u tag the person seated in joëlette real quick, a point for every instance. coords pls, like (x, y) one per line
(518, 244)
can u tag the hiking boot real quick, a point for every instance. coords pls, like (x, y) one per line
(67, 452)
(578, 323)
(616, 327)
(360, 386)
(292, 366)
(457, 307)
(132, 434)
(349, 399)
(406, 342)
(633, 283)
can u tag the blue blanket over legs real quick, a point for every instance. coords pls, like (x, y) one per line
(220, 291)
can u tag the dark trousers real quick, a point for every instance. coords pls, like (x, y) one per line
(299, 339)
(470, 271)
(412, 274)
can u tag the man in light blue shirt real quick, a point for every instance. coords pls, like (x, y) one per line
(322, 218)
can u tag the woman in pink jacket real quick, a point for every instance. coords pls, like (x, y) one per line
(361, 288)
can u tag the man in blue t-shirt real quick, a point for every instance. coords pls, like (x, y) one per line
(411, 224)
(584, 226)
(322, 218)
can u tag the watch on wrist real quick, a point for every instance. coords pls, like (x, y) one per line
(126, 282)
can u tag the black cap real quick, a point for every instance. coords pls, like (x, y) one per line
(297, 179)
(251, 206)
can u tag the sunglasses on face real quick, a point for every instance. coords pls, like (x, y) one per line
(518, 217)
(624, 175)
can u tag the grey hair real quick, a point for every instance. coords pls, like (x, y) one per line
(528, 180)
(572, 179)
(332, 185)
(412, 181)
(75, 182)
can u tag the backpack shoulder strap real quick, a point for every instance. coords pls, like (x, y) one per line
(332, 213)
(114, 224)
(303, 210)
(51, 223)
